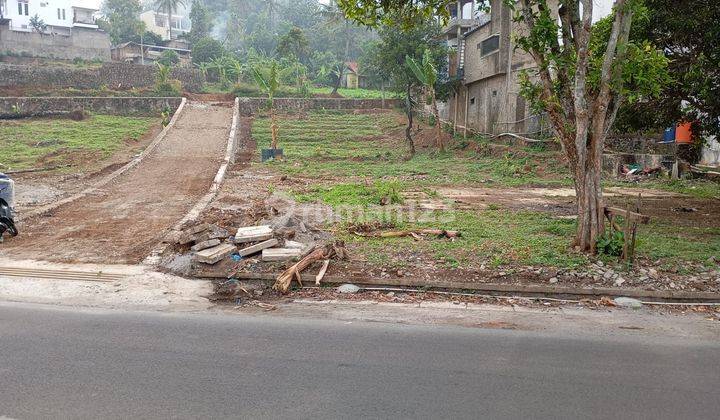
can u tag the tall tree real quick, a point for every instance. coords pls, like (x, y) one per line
(336, 18)
(120, 20)
(169, 7)
(387, 58)
(688, 33)
(577, 84)
(201, 21)
(293, 44)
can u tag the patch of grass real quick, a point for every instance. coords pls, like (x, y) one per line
(355, 194)
(354, 93)
(665, 242)
(494, 237)
(25, 142)
(698, 188)
(337, 144)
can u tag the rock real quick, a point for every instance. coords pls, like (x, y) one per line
(599, 263)
(627, 302)
(619, 281)
(652, 272)
(348, 288)
(608, 274)
(294, 244)
(553, 280)
(390, 294)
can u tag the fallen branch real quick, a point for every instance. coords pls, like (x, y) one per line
(321, 274)
(282, 283)
(441, 233)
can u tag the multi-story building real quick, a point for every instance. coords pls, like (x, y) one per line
(157, 23)
(70, 30)
(488, 99)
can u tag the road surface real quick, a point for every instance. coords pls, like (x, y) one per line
(62, 363)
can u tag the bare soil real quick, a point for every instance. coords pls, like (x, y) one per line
(122, 222)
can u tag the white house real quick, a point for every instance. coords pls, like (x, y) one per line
(60, 16)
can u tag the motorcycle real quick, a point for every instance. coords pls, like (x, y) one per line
(7, 224)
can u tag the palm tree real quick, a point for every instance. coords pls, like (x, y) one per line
(427, 74)
(169, 6)
(270, 85)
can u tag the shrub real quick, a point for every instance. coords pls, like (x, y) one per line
(611, 243)
(169, 58)
(206, 50)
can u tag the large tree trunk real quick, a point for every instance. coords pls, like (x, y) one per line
(409, 112)
(438, 124)
(588, 190)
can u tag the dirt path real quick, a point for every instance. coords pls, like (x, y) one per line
(123, 221)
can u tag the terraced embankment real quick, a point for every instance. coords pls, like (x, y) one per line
(123, 220)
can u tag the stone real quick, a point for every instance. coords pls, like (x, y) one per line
(619, 281)
(258, 247)
(253, 234)
(214, 254)
(627, 302)
(280, 254)
(348, 288)
(205, 244)
(608, 274)
(599, 263)
(553, 280)
(294, 244)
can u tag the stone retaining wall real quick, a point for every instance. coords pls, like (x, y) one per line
(111, 75)
(18, 107)
(251, 105)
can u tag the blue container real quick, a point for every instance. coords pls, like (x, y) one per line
(267, 154)
(669, 135)
(7, 190)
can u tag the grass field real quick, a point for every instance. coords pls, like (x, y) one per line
(28, 143)
(356, 160)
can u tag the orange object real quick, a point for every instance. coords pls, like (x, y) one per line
(683, 133)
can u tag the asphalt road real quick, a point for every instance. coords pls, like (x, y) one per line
(57, 363)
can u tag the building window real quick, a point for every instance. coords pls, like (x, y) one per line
(160, 21)
(63, 14)
(472, 101)
(489, 45)
(58, 13)
(23, 8)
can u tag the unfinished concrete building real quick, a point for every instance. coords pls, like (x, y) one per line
(488, 98)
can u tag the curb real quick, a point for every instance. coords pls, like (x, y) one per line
(501, 288)
(133, 163)
(154, 257)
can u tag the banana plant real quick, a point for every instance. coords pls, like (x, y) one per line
(270, 85)
(427, 75)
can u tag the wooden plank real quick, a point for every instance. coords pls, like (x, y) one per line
(214, 254)
(253, 234)
(258, 247)
(280, 254)
(628, 214)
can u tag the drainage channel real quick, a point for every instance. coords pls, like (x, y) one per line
(50, 274)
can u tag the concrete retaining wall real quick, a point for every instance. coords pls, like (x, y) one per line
(251, 105)
(111, 75)
(16, 107)
(85, 43)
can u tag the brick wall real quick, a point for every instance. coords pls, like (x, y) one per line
(111, 75)
(251, 105)
(15, 107)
